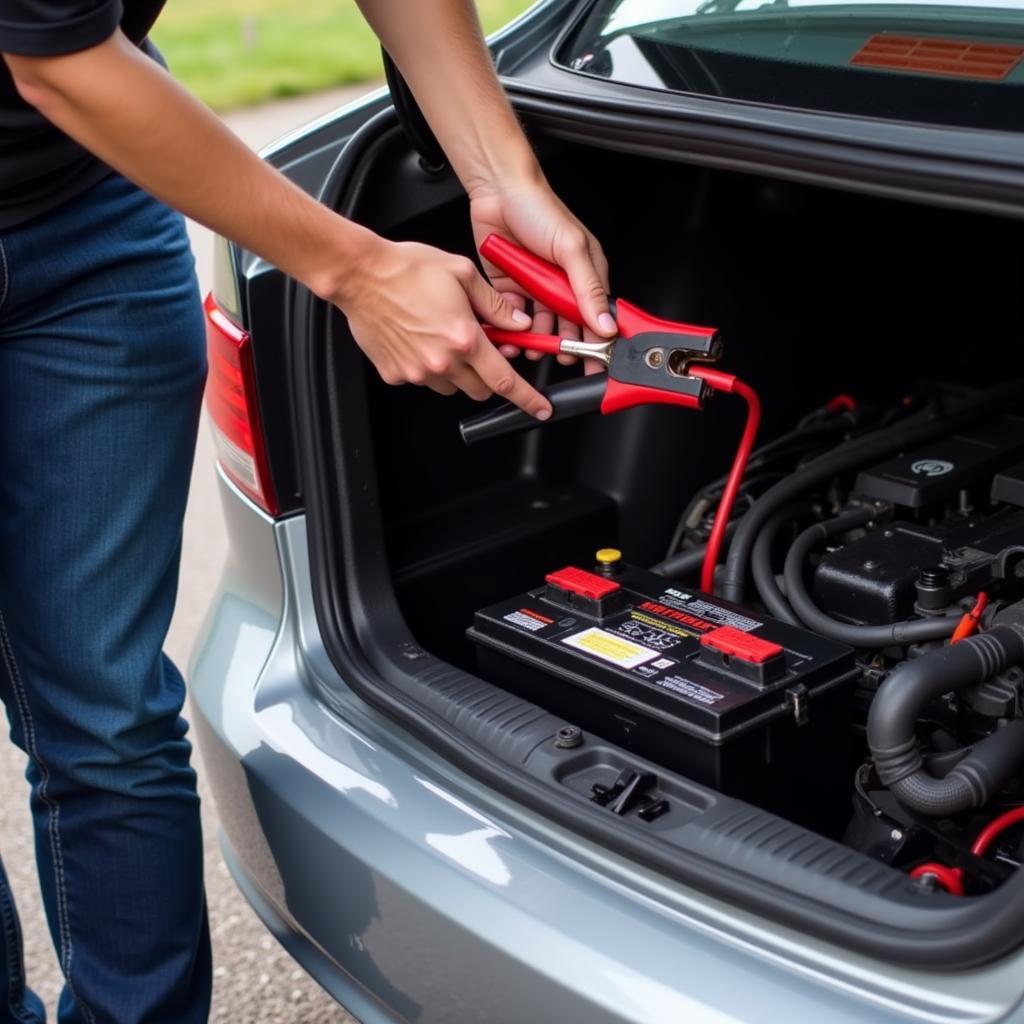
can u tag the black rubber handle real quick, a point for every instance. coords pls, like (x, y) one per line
(569, 399)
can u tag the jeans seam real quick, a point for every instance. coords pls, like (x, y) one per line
(53, 809)
(5, 271)
(12, 935)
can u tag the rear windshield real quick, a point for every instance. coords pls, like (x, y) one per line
(941, 62)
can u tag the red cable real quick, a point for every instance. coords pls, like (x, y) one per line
(993, 828)
(728, 384)
(841, 403)
(951, 879)
(968, 625)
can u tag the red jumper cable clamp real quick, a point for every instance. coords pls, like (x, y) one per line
(651, 362)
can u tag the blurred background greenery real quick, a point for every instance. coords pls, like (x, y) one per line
(233, 53)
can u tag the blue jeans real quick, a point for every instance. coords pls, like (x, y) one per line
(101, 372)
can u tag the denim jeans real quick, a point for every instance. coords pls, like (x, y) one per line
(101, 373)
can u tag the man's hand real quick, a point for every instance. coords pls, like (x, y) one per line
(534, 217)
(411, 309)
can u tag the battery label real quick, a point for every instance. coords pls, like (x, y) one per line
(684, 618)
(647, 634)
(610, 647)
(695, 691)
(527, 619)
(661, 624)
(714, 613)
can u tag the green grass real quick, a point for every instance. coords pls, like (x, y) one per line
(232, 53)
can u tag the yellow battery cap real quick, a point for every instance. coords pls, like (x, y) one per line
(608, 556)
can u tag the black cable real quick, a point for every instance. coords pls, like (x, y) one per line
(893, 633)
(761, 565)
(690, 560)
(794, 442)
(865, 449)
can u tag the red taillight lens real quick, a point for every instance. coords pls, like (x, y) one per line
(231, 402)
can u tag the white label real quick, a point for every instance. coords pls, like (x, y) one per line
(695, 691)
(526, 621)
(722, 616)
(609, 647)
(663, 663)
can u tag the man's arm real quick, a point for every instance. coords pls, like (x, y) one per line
(410, 307)
(441, 52)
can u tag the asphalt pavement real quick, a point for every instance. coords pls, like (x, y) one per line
(255, 981)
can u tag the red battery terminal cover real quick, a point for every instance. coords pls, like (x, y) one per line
(737, 644)
(579, 581)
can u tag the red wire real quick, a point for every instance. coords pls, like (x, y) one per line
(727, 383)
(994, 827)
(951, 879)
(968, 625)
(841, 403)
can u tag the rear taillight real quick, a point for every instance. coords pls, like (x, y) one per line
(234, 412)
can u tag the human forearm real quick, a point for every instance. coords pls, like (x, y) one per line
(412, 309)
(127, 110)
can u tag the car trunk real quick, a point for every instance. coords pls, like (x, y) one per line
(817, 293)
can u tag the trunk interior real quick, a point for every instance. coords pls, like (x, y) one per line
(817, 293)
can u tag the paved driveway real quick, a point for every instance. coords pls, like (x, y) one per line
(255, 981)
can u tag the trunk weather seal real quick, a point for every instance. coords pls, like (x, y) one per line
(370, 646)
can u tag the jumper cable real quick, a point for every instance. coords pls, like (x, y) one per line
(652, 362)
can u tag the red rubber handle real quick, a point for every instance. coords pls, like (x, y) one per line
(619, 396)
(524, 339)
(547, 283)
(632, 320)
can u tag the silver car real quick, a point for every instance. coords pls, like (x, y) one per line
(482, 748)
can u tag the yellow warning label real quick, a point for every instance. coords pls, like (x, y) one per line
(610, 647)
(669, 627)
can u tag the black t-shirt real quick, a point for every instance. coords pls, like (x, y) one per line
(40, 167)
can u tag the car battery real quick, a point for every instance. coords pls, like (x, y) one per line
(748, 705)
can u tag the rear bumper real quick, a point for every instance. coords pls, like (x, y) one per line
(411, 893)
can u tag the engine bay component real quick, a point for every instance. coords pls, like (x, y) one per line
(889, 574)
(853, 455)
(737, 701)
(945, 468)
(1008, 486)
(979, 772)
(874, 635)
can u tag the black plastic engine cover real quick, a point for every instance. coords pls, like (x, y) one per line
(936, 473)
(874, 579)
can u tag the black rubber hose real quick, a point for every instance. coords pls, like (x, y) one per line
(990, 764)
(761, 565)
(683, 563)
(892, 633)
(864, 449)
